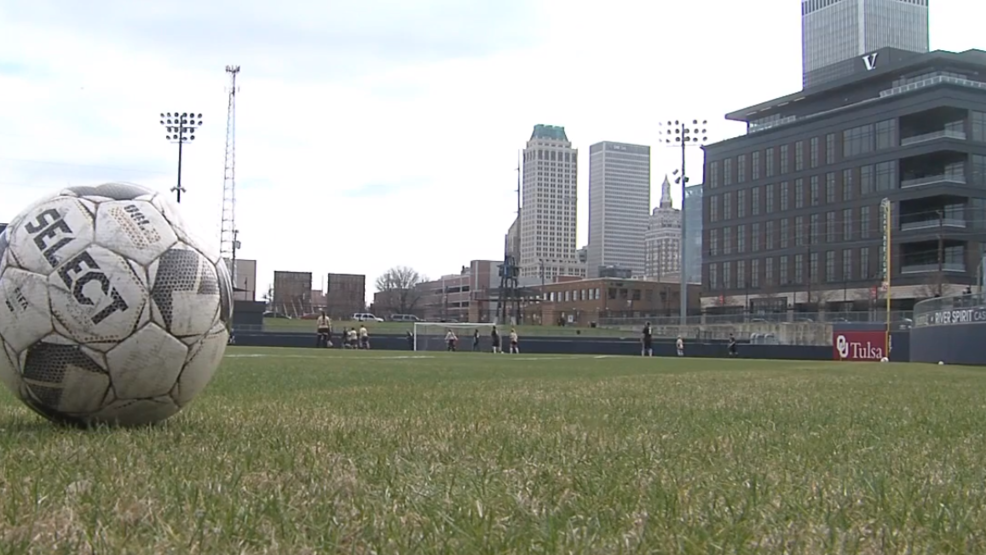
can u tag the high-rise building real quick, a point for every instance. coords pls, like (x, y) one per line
(619, 202)
(548, 214)
(837, 36)
(692, 212)
(662, 240)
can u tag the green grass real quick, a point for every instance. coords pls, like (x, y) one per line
(305, 451)
(281, 324)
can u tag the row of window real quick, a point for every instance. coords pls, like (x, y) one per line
(828, 188)
(779, 271)
(847, 224)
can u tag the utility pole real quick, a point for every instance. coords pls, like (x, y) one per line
(228, 234)
(941, 250)
(682, 134)
(181, 128)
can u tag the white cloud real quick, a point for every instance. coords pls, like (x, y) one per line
(365, 142)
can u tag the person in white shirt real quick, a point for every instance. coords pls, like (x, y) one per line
(351, 336)
(450, 340)
(323, 329)
(679, 346)
(514, 348)
(364, 337)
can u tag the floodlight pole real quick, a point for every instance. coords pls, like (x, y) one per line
(181, 128)
(682, 134)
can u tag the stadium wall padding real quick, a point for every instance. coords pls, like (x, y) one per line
(563, 345)
(955, 344)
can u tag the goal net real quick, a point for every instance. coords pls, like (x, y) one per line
(430, 336)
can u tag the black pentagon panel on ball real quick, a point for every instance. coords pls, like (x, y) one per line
(45, 368)
(181, 271)
(114, 191)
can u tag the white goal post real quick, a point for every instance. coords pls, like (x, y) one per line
(430, 336)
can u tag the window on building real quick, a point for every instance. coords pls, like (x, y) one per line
(864, 222)
(785, 191)
(741, 204)
(829, 266)
(755, 273)
(768, 236)
(799, 193)
(727, 280)
(784, 266)
(830, 148)
(727, 240)
(830, 227)
(713, 276)
(857, 141)
(813, 274)
(847, 185)
(799, 268)
(799, 156)
(741, 239)
(741, 274)
(799, 231)
(755, 165)
(815, 194)
(785, 233)
(865, 272)
(713, 242)
(768, 271)
(886, 134)
(814, 154)
(977, 121)
(636, 295)
(785, 158)
(755, 201)
(815, 234)
(846, 264)
(884, 174)
(847, 234)
(727, 206)
(741, 168)
(769, 162)
(977, 169)
(714, 208)
(830, 188)
(755, 237)
(866, 180)
(713, 174)
(727, 172)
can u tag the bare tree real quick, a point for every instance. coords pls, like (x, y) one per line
(400, 288)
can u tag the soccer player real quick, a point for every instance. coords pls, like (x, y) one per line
(364, 337)
(732, 345)
(351, 337)
(514, 349)
(323, 329)
(679, 346)
(475, 340)
(450, 340)
(495, 336)
(647, 341)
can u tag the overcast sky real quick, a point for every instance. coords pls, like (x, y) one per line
(377, 133)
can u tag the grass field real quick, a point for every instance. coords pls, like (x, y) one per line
(280, 324)
(305, 451)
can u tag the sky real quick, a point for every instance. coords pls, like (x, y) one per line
(377, 133)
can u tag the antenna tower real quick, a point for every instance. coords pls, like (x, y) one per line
(228, 243)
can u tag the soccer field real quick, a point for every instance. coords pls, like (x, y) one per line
(307, 451)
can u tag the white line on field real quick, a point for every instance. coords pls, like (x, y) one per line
(398, 357)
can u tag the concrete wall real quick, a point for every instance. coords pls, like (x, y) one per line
(956, 344)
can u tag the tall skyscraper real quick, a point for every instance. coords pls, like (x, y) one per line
(547, 217)
(837, 36)
(662, 240)
(619, 202)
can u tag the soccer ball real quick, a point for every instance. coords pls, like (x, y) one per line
(884, 359)
(111, 310)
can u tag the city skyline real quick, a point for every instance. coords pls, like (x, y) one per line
(619, 204)
(305, 163)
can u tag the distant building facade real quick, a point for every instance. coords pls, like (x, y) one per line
(292, 293)
(619, 203)
(244, 276)
(692, 211)
(582, 302)
(662, 238)
(345, 295)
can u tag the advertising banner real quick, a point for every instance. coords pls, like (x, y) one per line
(952, 316)
(859, 345)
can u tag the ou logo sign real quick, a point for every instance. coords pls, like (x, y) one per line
(859, 345)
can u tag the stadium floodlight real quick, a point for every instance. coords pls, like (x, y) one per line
(683, 134)
(181, 128)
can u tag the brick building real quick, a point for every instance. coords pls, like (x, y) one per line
(595, 300)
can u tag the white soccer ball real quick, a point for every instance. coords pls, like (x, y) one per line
(941, 363)
(111, 310)
(884, 359)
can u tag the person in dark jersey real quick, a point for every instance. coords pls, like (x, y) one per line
(647, 341)
(495, 337)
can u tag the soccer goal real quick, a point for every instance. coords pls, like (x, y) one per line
(430, 336)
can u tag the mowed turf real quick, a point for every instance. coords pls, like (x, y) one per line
(306, 451)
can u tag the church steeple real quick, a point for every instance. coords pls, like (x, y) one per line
(666, 193)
